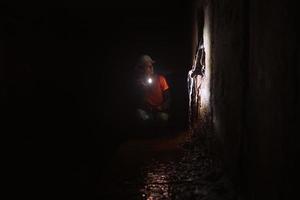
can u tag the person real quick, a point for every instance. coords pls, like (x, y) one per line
(153, 100)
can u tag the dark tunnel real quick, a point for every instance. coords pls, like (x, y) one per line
(68, 115)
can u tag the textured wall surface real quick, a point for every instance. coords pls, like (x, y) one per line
(254, 64)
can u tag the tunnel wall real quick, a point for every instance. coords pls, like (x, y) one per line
(254, 64)
(272, 100)
(228, 65)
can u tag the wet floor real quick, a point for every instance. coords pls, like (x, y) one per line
(165, 168)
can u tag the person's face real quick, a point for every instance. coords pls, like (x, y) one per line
(149, 69)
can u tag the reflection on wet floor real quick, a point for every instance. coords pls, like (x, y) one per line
(175, 172)
(156, 185)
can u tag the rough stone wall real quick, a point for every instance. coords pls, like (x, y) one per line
(254, 63)
(225, 36)
(271, 99)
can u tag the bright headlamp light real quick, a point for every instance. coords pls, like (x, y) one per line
(149, 80)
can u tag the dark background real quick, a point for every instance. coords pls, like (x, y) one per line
(65, 84)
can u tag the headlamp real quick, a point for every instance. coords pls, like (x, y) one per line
(149, 80)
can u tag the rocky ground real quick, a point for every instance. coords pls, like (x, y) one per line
(181, 167)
